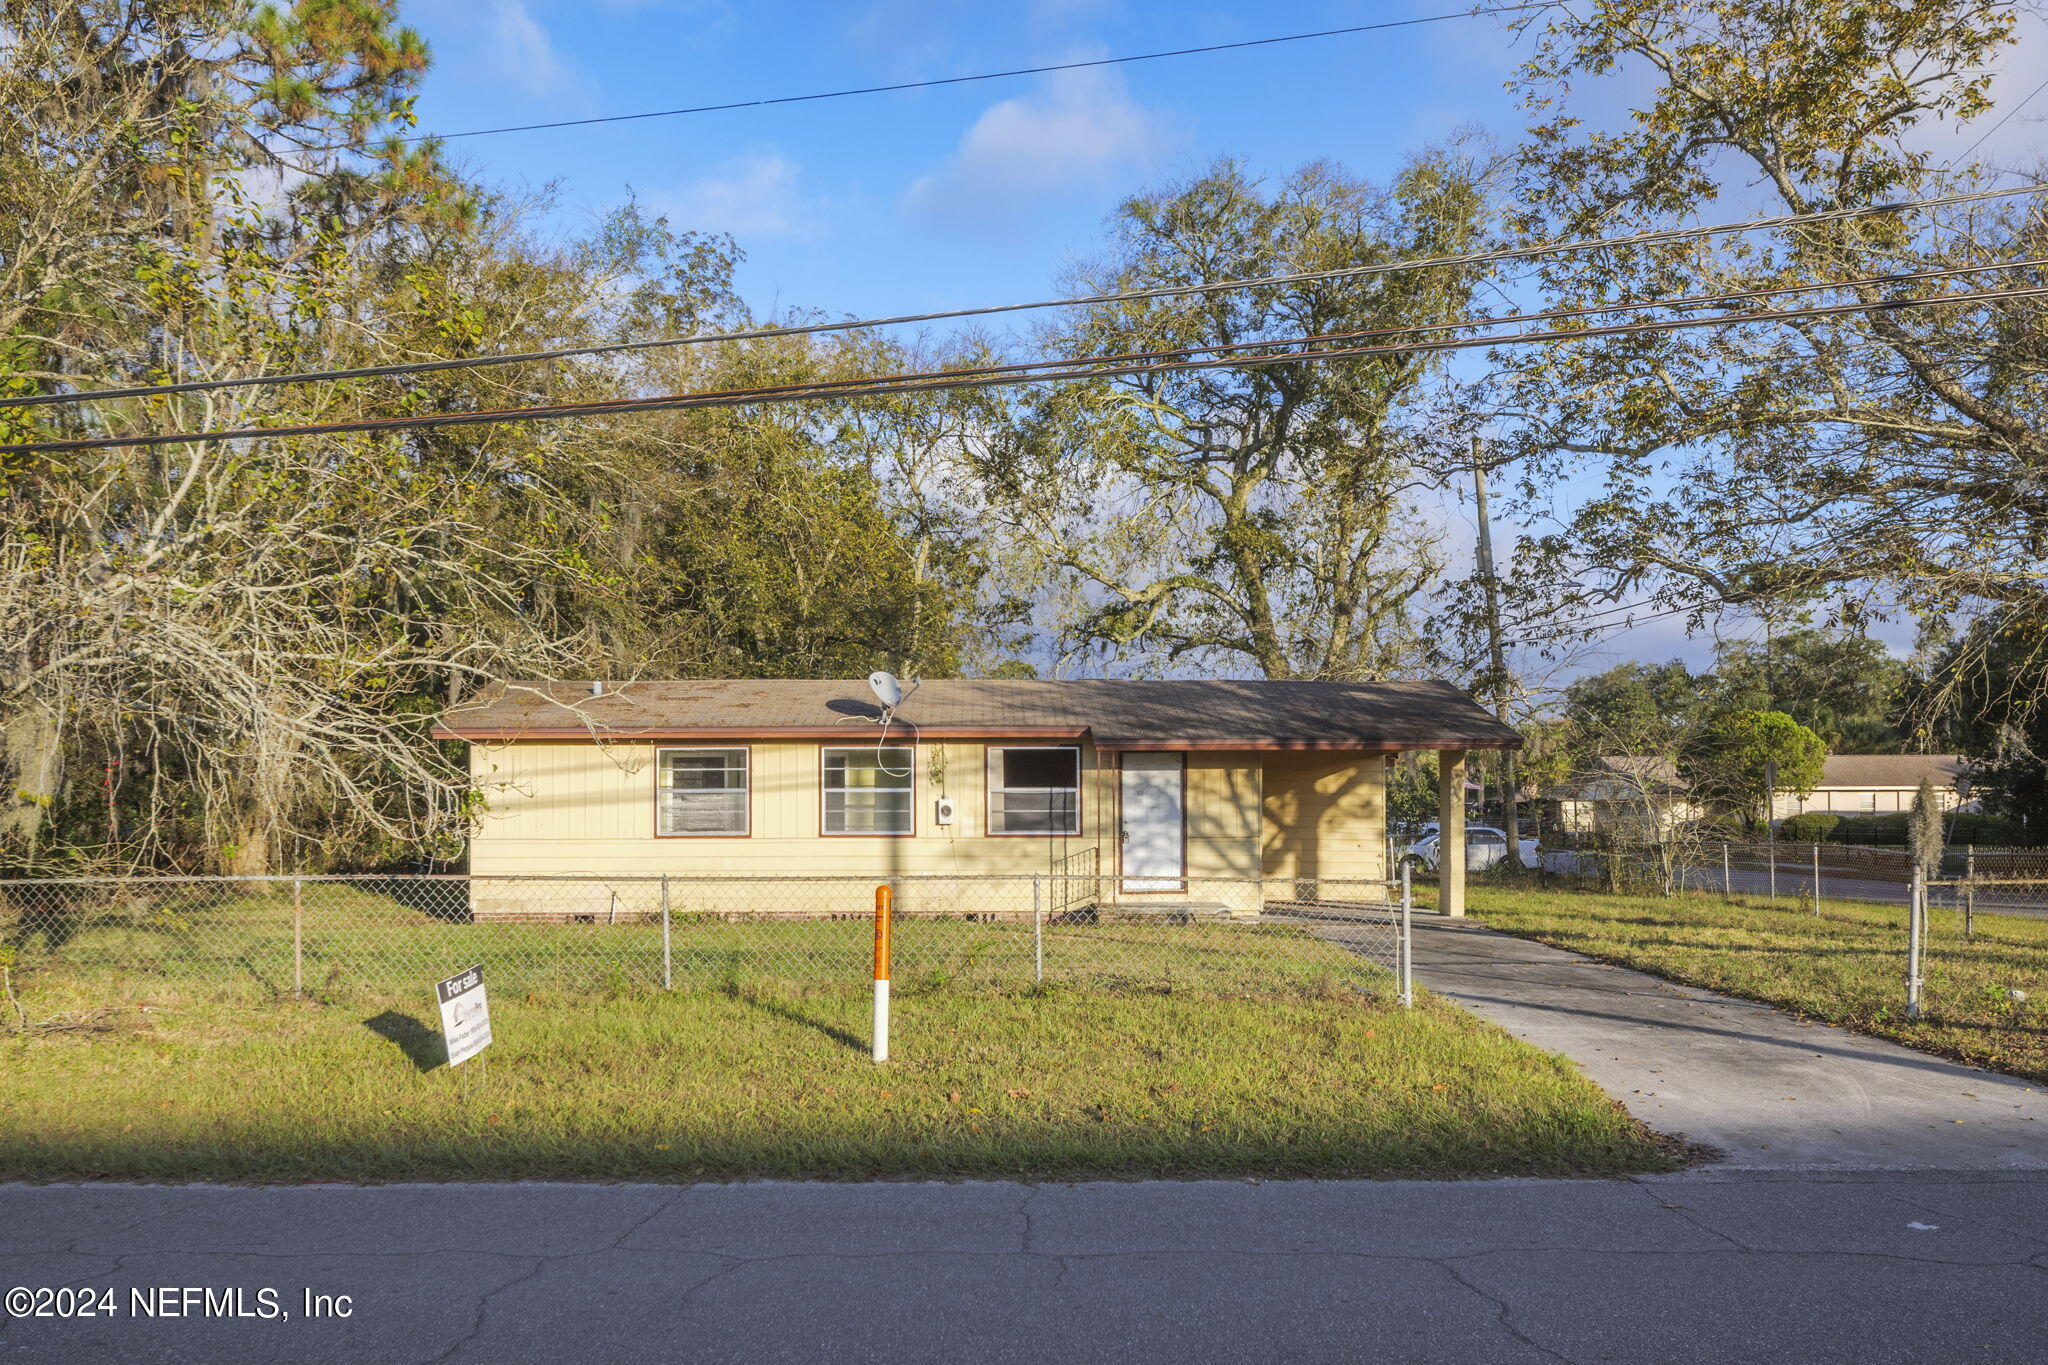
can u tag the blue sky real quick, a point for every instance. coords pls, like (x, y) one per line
(977, 193)
(941, 197)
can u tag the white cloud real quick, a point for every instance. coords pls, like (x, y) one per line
(1079, 129)
(759, 194)
(522, 51)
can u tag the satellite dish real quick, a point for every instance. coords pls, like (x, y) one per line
(887, 690)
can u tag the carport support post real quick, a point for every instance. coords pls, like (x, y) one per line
(298, 937)
(1450, 832)
(668, 958)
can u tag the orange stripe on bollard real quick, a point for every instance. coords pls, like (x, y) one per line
(884, 912)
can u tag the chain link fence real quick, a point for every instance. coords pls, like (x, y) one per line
(1970, 880)
(390, 937)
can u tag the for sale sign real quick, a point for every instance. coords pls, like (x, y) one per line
(465, 1015)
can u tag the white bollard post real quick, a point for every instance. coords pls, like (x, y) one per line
(1916, 920)
(882, 916)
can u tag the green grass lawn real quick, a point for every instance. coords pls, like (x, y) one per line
(171, 1049)
(1845, 965)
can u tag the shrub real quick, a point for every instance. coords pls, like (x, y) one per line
(1984, 829)
(1872, 829)
(1813, 827)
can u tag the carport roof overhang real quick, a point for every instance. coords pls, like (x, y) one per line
(1240, 715)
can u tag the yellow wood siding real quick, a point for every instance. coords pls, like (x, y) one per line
(572, 807)
(1325, 816)
(576, 808)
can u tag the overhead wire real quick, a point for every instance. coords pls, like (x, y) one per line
(1037, 371)
(1048, 69)
(1651, 237)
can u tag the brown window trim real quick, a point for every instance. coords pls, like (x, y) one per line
(824, 833)
(988, 795)
(747, 749)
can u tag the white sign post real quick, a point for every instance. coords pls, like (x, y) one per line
(465, 1015)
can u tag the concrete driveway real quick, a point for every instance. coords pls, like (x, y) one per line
(1808, 1267)
(1770, 1090)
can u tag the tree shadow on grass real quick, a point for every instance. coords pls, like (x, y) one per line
(790, 1014)
(425, 1048)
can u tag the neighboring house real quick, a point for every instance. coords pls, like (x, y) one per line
(1623, 795)
(1155, 784)
(1875, 784)
(1621, 792)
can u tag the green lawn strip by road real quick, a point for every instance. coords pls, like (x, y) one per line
(718, 1084)
(1846, 965)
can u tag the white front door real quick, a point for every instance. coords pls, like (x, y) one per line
(1154, 822)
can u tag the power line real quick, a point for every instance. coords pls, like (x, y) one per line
(983, 76)
(1029, 372)
(1648, 238)
(1551, 315)
(2004, 118)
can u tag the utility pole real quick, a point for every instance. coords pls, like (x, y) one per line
(1510, 788)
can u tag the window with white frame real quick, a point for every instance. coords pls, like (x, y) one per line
(1034, 790)
(701, 791)
(868, 791)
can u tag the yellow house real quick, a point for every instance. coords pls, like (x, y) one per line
(1156, 794)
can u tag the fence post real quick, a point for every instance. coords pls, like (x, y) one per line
(1916, 919)
(1969, 889)
(668, 958)
(1816, 879)
(298, 937)
(1727, 877)
(1407, 954)
(1771, 853)
(1037, 928)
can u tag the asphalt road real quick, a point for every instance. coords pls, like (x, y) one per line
(1761, 1266)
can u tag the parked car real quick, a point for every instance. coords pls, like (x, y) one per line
(1485, 847)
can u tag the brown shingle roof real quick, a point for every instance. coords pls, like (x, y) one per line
(1890, 770)
(1116, 713)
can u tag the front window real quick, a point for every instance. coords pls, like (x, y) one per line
(1034, 791)
(868, 791)
(703, 791)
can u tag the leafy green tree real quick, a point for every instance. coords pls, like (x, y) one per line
(1644, 702)
(1989, 682)
(1731, 759)
(1847, 688)
(1246, 517)
(228, 657)
(1884, 456)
